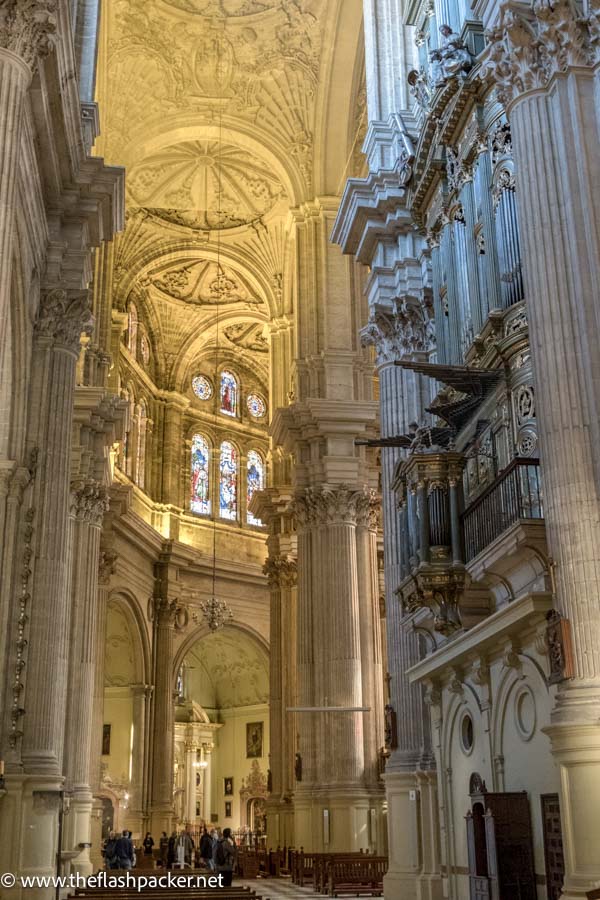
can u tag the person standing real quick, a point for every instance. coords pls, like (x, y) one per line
(224, 857)
(206, 849)
(148, 844)
(163, 846)
(109, 851)
(124, 851)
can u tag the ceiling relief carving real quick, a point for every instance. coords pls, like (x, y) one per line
(248, 336)
(224, 7)
(227, 670)
(203, 283)
(205, 186)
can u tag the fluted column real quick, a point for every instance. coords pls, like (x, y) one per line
(136, 813)
(27, 29)
(161, 801)
(332, 745)
(190, 783)
(402, 399)
(544, 61)
(89, 502)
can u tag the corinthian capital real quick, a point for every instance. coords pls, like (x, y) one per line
(63, 318)
(394, 335)
(89, 501)
(533, 42)
(330, 506)
(28, 28)
(281, 571)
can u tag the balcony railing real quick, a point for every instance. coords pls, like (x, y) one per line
(515, 494)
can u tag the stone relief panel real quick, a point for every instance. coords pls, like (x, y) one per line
(203, 283)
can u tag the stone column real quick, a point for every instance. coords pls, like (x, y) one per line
(190, 783)
(331, 745)
(161, 799)
(137, 811)
(402, 401)
(27, 32)
(89, 502)
(544, 61)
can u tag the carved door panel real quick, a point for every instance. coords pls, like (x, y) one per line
(553, 845)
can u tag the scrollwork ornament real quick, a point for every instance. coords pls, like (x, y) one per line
(89, 501)
(28, 28)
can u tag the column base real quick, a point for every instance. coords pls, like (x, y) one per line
(161, 819)
(575, 741)
(96, 857)
(280, 822)
(77, 837)
(339, 820)
(414, 867)
(29, 831)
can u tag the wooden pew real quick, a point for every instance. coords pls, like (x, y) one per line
(594, 894)
(357, 876)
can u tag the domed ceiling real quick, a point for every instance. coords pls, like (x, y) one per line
(227, 669)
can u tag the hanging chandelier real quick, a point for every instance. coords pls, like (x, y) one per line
(216, 613)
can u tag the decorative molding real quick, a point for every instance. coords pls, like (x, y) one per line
(332, 506)
(28, 28)
(534, 42)
(281, 571)
(89, 501)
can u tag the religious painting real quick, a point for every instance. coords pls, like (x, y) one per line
(228, 786)
(106, 729)
(228, 485)
(255, 481)
(229, 393)
(200, 477)
(254, 740)
(228, 812)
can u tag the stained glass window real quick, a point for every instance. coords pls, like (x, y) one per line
(202, 387)
(229, 393)
(256, 481)
(132, 329)
(256, 406)
(228, 488)
(200, 476)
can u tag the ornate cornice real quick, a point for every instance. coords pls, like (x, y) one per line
(28, 28)
(89, 501)
(63, 318)
(532, 43)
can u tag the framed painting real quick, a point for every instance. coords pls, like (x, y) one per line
(254, 740)
(106, 729)
(228, 786)
(228, 809)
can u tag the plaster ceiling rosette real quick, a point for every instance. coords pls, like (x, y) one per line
(203, 283)
(205, 186)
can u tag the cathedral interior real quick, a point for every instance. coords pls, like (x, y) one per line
(299, 396)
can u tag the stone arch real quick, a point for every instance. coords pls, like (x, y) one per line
(130, 608)
(203, 630)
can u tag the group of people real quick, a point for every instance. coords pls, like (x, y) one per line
(217, 851)
(119, 851)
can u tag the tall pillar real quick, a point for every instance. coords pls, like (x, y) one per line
(137, 812)
(544, 61)
(207, 783)
(26, 34)
(402, 401)
(190, 783)
(333, 799)
(161, 798)
(89, 501)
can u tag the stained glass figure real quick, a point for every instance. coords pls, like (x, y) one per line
(229, 393)
(256, 406)
(255, 482)
(202, 387)
(228, 487)
(200, 476)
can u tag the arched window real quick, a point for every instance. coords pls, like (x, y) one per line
(140, 461)
(229, 393)
(255, 481)
(228, 481)
(132, 329)
(200, 476)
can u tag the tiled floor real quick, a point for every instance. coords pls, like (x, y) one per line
(278, 889)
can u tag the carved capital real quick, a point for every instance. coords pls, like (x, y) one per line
(330, 506)
(281, 571)
(164, 611)
(63, 318)
(28, 28)
(89, 501)
(533, 42)
(394, 335)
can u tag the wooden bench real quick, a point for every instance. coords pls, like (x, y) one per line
(321, 867)
(594, 894)
(360, 877)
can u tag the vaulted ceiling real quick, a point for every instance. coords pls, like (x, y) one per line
(227, 669)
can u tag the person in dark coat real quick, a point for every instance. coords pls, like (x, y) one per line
(124, 851)
(172, 850)
(206, 848)
(148, 844)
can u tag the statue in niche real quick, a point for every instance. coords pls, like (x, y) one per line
(419, 88)
(390, 728)
(451, 60)
(298, 767)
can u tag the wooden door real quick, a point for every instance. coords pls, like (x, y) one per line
(553, 845)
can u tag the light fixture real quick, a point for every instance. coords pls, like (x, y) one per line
(216, 612)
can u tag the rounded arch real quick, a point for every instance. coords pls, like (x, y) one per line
(511, 679)
(202, 630)
(130, 607)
